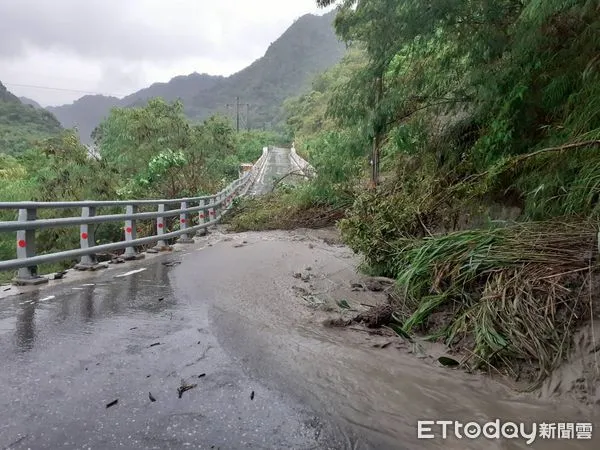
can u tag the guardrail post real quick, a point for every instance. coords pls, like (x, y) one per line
(26, 249)
(211, 210)
(161, 245)
(218, 206)
(183, 220)
(203, 217)
(87, 240)
(227, 195)
(223, 202)
(130, 235)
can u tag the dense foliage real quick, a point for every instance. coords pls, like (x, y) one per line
(154, 151)
(146, 152)
(476, 110)
(467, 88)
(21, 125)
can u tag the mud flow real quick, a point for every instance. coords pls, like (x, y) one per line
(374, 387)
(223, 345)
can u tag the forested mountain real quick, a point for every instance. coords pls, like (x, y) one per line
(85, 114)
(180, 87)
(21, 124)
(308, 47)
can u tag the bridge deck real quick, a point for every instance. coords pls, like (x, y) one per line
(278, 165)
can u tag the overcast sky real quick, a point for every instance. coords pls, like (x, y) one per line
(116, 47)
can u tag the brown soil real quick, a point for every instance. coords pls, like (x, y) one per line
(371, 302)
(315, 217)
(577, 378)
(376, 317)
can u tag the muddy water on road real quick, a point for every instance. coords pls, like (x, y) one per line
(275, 378)
(374, 396)
(79, 363)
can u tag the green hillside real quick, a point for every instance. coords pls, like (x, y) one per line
(30, 102)
(180, 87)
(22, 124)
(307, 48)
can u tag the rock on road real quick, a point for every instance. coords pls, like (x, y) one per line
(225, 315)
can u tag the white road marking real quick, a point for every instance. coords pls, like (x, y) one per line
(50, 297)
(130, 273)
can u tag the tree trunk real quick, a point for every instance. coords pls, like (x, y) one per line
(378, 129)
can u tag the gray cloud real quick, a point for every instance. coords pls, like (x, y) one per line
(93, 29)
(55, 50)
(127, 76)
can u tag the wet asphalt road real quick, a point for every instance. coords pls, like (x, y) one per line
(70, 351)
(65, 358)
(227, 319)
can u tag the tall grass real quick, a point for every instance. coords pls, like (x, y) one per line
(509, 294)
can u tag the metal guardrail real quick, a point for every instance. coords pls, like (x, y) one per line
(302, 165)
(209, 209)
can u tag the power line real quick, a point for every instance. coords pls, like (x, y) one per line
(247, 116)
(237, 105)
(60, 89)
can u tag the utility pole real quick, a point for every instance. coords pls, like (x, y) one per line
(247, 117)
(377, 134)
(237, 105)
(237, 114)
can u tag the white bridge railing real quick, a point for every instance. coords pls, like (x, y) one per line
(300, 164)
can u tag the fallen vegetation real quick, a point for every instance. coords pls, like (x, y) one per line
(511, 297)
(485, 121)
(285, 208)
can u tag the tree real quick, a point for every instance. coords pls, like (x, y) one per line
(130, 137)
(156, 151)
